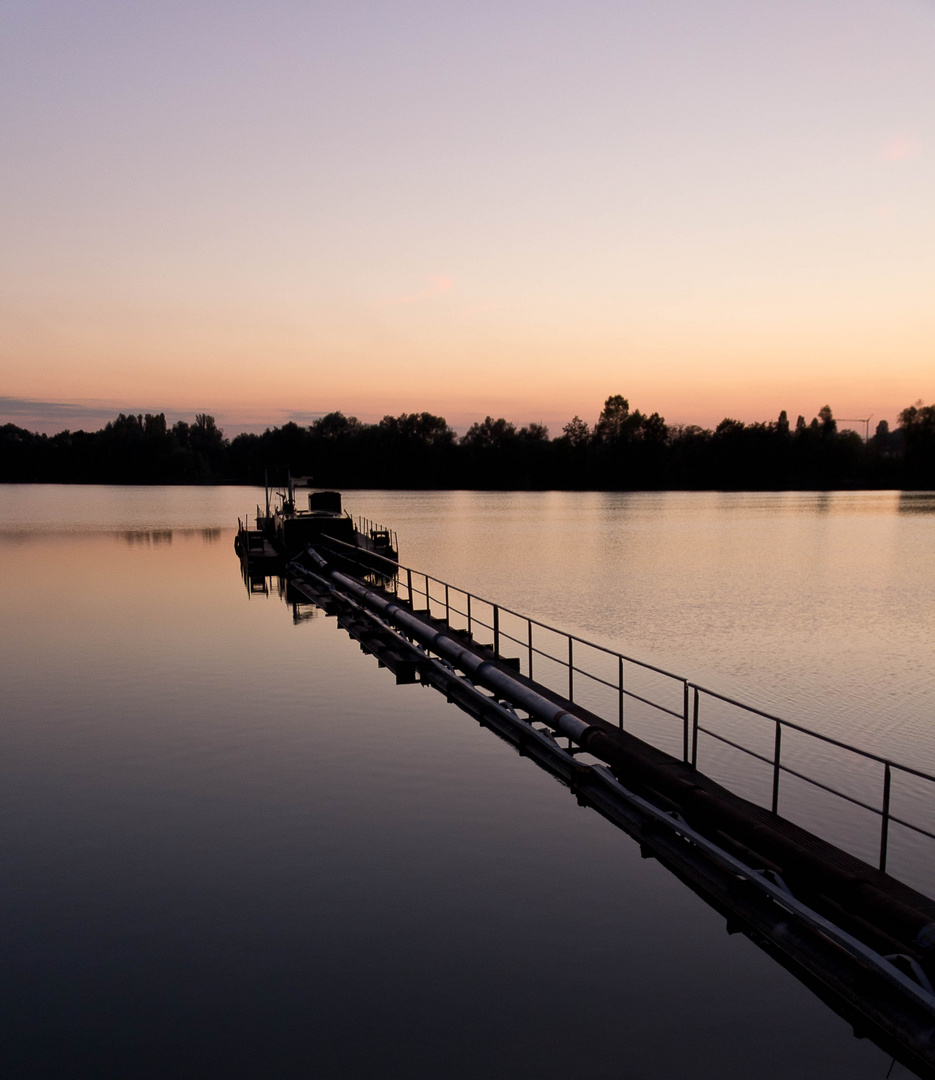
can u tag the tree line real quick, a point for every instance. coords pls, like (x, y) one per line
(625, 450)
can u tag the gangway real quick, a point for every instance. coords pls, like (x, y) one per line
(859, 937)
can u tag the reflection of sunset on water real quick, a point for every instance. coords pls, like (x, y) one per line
(227, 821)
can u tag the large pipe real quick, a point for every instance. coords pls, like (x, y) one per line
(815, 867)
(884, 993)
(477, 668)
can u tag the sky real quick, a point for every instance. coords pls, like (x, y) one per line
(270, 211)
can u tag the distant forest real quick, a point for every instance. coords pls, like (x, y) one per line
(625, 450)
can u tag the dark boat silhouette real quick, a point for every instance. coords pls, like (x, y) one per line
(283, 531)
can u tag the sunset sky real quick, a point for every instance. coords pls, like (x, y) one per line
(268, 211)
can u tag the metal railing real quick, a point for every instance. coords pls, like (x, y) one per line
(613, 671)
(369, 528)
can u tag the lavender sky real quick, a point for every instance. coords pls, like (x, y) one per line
(270, 211)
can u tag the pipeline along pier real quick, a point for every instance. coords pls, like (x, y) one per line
(861, 939)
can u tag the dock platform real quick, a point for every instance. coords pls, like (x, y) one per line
(861, 939)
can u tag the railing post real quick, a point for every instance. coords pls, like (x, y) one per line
(409, 586)
(571, 668)
(428, 599)
(695, 708)
(685, 722)
(529, 631)
(447, 605)
(496, 630)
(620, 691)
(468, 595)
(776, 753)
(885, 823)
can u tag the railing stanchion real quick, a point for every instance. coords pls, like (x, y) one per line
(777, 749)
(695, 707)
(885, 823)
(624, 687)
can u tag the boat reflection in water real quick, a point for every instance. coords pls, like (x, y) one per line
(285, 530)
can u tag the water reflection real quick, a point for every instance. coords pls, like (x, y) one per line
(155, 537)
(304, 612)
(824, 501)
(233, 847)
(770, 923)
(917, 502)
(148, 537)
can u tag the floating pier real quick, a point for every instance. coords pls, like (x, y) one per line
(861, 939)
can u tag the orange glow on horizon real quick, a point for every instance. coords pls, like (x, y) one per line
(391, 233)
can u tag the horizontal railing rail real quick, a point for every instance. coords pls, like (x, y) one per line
(421, 591)
(366, 527)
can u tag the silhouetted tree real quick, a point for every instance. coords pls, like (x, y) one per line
(414, 450)
(335, 425)
(489, 450)
(338, 450)
(576, 431)
(572, 455)
(489, 435)
(207, 444)
(917, 428)
(626, 449)
(827, 423)
(611, 425)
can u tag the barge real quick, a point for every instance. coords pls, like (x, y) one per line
(280, 532)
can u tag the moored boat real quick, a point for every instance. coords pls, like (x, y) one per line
(286, 530)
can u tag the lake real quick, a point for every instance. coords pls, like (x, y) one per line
(233, 847)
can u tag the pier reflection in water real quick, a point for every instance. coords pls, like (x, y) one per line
(234, 848)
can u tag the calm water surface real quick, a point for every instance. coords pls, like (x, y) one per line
(234, 848)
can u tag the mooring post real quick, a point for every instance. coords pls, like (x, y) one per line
(695, 729)
(776, 752)
(885, 823)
